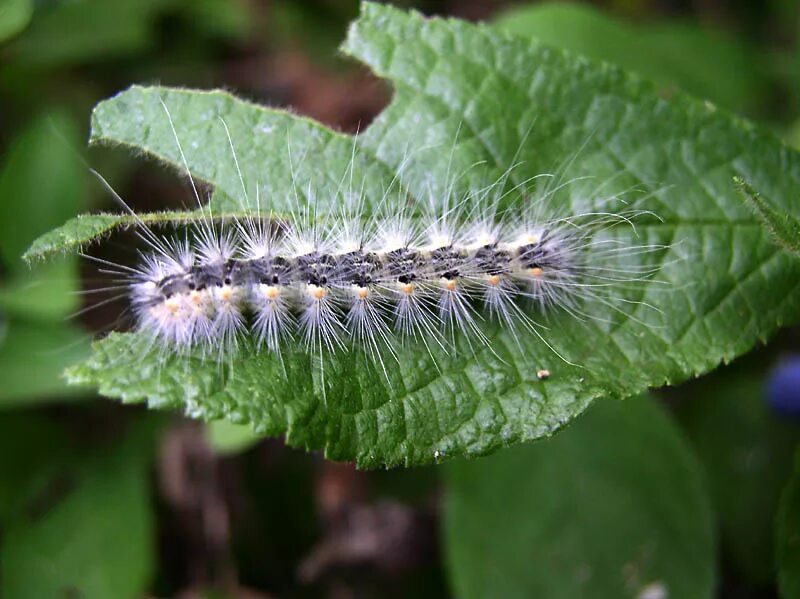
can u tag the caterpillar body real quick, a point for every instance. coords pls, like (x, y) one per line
(402, 273)
(397, 282)
(369, 288)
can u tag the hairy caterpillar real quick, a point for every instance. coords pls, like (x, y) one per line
(406, 271)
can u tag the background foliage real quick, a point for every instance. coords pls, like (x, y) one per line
(678, 492)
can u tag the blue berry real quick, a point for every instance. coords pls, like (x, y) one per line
(783, 387)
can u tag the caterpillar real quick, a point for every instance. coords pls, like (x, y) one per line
(405, 271)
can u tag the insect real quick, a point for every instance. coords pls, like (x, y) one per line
(383, 272)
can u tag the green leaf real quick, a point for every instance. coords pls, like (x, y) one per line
(784, 227)
(79, 30)
(32, 450)
(705, 62)
(231, 19)
(747, 453)
(41, 184)
(78, 232)
(33, 357)
(228, 438)
(49, 292)
(96, 541)
(610, 507)
(14, 17)
(723, 285)
(788, 536)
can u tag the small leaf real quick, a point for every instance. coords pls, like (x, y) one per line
(784, 227)
(787, 536)
(612, 506)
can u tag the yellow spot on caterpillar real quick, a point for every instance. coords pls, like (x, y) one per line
(195, 297)
(450, 285)
(407, 288)
(318, 292)
(535, 272)
(271, 292)
(494, 280)
(484, 240)
(529, 239)
(226, 293)
(172, 305)
(362, 292)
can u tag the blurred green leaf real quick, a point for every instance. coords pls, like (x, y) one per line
(33, 357)
(32, 450)
(747, 454)
(231, 19)
(41, 184)
(227, 438)
(611, 507)
(316, 25)
(784, 227)
(73, 31)
(94, 542)
(49, 292)
(704, 62)
(14, 16)
(787, 535)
